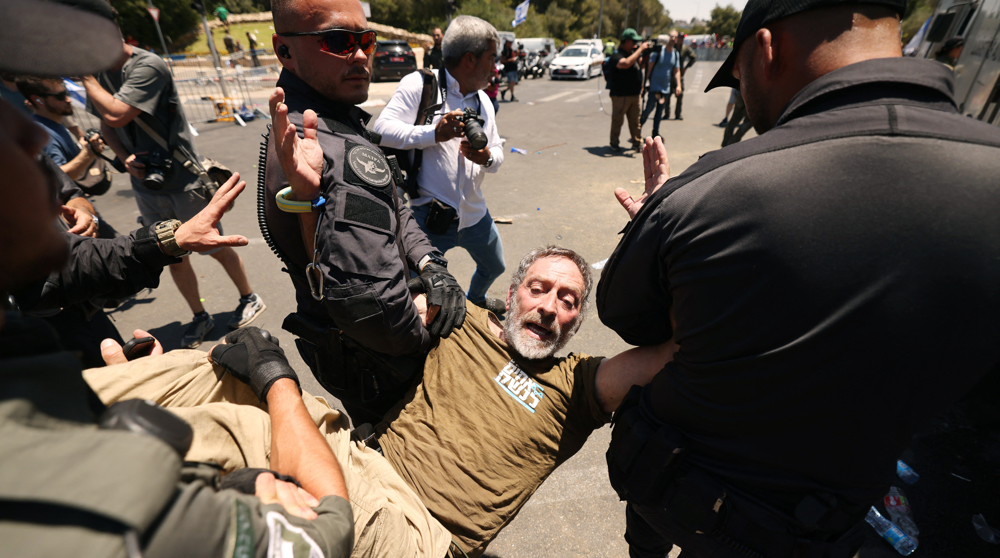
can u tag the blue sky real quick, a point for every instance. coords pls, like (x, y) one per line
(687, 9)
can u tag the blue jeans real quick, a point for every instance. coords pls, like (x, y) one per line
(650, 104)
(481, 240)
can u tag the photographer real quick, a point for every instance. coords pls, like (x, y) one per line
(135, 99)
(50, 100)
(626, 86)
(450, 207)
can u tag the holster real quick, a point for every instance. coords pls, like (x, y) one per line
(644, 453)
(344, 367)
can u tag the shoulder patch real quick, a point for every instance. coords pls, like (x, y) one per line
(288, 541)
(369, 165)
(241, 539)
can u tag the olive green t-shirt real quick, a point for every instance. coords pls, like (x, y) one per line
(485, 427)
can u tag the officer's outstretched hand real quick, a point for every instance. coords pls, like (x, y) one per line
(201, 232)
(442, 290)
(656, 169)
(301, 159)
(253, 357)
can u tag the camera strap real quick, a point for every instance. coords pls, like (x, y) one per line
(179, 153)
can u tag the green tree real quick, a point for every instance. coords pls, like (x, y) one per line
(178, 20)
(724, 20)
(917, 12)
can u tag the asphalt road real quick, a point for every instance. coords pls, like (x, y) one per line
(559, 193)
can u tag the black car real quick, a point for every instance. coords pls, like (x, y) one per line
(393, 59)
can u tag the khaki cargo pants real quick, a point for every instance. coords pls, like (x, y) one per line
(232, 429)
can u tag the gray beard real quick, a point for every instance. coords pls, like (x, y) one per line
(527, 346)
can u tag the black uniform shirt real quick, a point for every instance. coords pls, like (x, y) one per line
(624, 82)
(368, 240)
(835, 282)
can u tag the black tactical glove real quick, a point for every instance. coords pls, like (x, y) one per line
(253, 357)
(442, 290)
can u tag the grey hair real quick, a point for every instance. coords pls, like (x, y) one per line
(552, 251)
(467, 34)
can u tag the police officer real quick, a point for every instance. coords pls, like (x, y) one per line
(69, 486)
(802, 273)
(336, 222)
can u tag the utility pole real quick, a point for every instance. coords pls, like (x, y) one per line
(628, 10)
(200, 8)
(153, 11)
(450, 9)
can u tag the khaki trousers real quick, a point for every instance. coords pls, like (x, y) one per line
(232, 429)
(622, 107)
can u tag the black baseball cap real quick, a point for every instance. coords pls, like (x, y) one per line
(58, 37)
(759, 13)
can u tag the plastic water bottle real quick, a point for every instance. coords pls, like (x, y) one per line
(904, 471)
(903, 543)
(898, 507)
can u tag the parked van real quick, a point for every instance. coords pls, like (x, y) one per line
(538, 45)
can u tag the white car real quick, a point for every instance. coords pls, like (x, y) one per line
(577, 61)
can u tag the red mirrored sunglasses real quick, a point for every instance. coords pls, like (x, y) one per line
(341, 41)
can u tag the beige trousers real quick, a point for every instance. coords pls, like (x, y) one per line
(232, 429)
(622, 107)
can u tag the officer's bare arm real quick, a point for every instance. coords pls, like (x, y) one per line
(297, 447)
(634, 367)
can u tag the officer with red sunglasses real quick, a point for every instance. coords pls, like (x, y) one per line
(348, 242)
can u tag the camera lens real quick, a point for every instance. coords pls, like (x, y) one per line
(474, 131)
(154, 179)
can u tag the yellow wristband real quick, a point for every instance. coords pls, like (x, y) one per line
(296, 206)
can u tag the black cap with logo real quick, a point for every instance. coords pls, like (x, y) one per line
(759, 13)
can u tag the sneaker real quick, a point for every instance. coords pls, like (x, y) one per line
(616, 148)
(249, 308)
(637, 145)
(678, 117)
(495, 305)
(514, 99)
(196, 332)
(724, 122)
(503, 95)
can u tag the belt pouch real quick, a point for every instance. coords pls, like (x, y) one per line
(440, 216)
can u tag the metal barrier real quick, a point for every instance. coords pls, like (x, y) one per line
(712, 54)
(242, 87)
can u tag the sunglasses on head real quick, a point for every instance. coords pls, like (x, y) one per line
(341, 41)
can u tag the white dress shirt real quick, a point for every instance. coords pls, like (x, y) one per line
(445, 173)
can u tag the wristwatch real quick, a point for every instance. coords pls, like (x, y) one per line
(489, 163)
(164, 231)
(435, 257)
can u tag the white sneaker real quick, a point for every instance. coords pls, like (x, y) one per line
(249, 308)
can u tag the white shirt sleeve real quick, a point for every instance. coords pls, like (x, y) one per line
(496, 148)
(395, 124)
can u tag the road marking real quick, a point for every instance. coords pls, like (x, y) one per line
(554, 97)
(590, 94)
(698, 75)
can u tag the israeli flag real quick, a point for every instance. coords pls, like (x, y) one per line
(77, 94)
(520, 13)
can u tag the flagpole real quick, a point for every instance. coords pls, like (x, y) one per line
(600, 20)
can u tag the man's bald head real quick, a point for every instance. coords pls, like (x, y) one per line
(782, 57)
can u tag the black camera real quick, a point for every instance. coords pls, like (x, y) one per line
(474, 128)
(159, 166)
(90, 134)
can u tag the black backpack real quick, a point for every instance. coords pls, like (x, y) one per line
(424, 112)
(607, 69)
